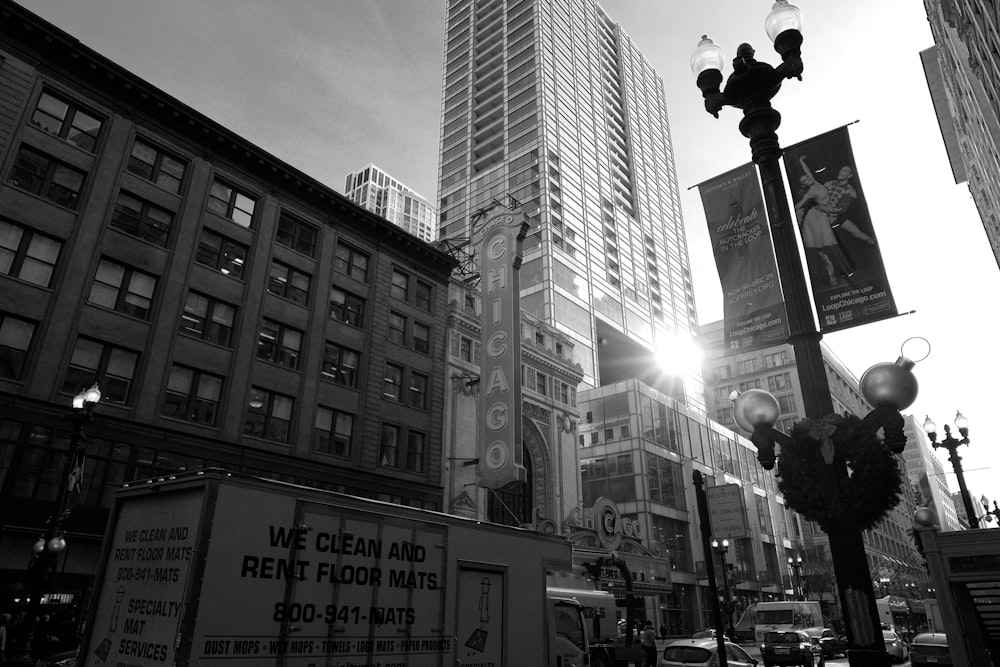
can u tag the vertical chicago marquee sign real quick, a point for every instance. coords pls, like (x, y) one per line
(499, 236)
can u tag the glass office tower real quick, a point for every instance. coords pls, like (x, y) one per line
(550, 102)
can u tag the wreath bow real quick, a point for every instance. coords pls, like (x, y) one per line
(823, 431)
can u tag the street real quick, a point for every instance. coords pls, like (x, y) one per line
(754, 650)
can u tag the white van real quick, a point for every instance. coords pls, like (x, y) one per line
(788, 615)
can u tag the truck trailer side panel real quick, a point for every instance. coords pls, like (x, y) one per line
(215, 568)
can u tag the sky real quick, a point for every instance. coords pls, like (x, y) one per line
(329, 86)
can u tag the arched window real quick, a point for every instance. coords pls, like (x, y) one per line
(512, 504)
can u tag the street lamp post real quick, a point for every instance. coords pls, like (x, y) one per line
(750, 88)
(722, 547)
(796, 565)
(713, 587)
(951, 444)
(990, 514)
(45, 559)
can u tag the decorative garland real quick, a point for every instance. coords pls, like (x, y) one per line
(815, 483)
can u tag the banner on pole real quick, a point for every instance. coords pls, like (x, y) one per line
(846, 272)
(754, 311)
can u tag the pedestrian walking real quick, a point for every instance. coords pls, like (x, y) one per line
(649, 644)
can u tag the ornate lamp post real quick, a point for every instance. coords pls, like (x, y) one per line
(796, 565)
(751, 87)
(722, 547)
(45, 559)
(990, 514)
(824, 449)
(951, 444)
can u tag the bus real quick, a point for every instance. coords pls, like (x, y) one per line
(787, 615)
(893, 613)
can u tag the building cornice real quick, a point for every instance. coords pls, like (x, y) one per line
(58, 53)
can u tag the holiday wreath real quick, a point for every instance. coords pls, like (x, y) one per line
(811, 473)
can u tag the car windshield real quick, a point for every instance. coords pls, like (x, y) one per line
(889, 635)
(782, 638)
(940, 640)
(775, 617)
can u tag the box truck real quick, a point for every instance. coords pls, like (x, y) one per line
(212, 568)
(786, 615)
(609, 647)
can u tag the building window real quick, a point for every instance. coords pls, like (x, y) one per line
(786, 404)
(392, 384)
(269, 415)
(231, 203)
(422, 296)
(396, 328)
(415, 444)
(222, 253)
(388, 445)
(400, 286)
(297, 235)
(140, 218)
(279, 344)
(111, 367)
(721, 373)
(465, 349)
(192, 395)
(750, 384)
(346, 307)
(542, 384)
(288, 283)
(334, 431)
(26, 254)
(340, 364)
(776, 359)
(46, 177)
(351, 262)
(148, 162)
(15, 339)
(124, 289)
(421, 338)
(208, 319)
(67, 120)
(418, 390)
(746, 366)
(782, 382)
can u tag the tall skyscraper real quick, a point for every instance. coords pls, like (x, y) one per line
(551, 103)
(383, 195)
(963, 75)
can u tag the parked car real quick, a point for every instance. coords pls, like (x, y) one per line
(791, 647)
(930, 648)
(693, 652)
(895, 646)
(62, 659)
(832, 644)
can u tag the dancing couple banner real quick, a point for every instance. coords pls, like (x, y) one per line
(754, 311)
(848, 278)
